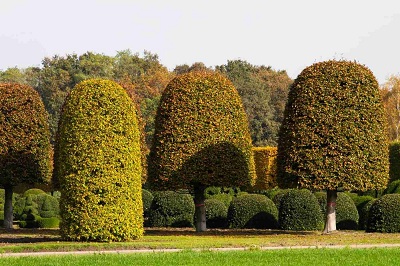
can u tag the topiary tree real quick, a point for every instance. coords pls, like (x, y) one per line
(252, 211)
(97, 164)
(299, 210)
(216, 213)
(394, 160)
(384, 214)
(24, 142)
(265, 165)
(201, 138)
(333, 134)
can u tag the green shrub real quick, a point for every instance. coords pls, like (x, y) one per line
(394, 161)
(97, 164)
(346, 212)
(147, 198)
(216, 213)
(33, 191)
(51, 222)
(48, 206)
(252, 211)
(384, 215)
(226, 199)
(277, 196)
(364, 213)
(171, 209)
(299, 210)
(265, 165)
(201, 135)
(334, 135)
(393, 187)
(211, 191)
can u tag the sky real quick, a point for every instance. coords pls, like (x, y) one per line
(284, 34)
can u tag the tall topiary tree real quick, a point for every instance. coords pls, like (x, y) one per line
(201, 138)
(24, 141)
(97, 164)
(333, 134)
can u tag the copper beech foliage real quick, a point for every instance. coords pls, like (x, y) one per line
(97, 164)
(334, 135)
(201, 135)
(25, 152)
(265, 162)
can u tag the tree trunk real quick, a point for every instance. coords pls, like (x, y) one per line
(330, 222)
(8, 208)
(200, 210)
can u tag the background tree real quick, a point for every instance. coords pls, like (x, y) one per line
(24, 141)
(333, 136)
(97, 164)
(201, 138)
(264, 94)
(391, 101)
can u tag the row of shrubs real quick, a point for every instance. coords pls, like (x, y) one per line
(34, 209)
(287, 209)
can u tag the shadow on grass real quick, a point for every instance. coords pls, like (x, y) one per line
(28, 236)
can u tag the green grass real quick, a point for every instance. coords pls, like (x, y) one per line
(388, 256)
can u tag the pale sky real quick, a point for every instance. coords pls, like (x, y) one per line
(286, 35)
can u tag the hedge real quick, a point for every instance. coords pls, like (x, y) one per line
(394, 160)
(265, 163)
(384, 215)
(98, 164)
(216, 213)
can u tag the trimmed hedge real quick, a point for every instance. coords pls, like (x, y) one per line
(394, 161)
(278, 195)
(33, 191)
(50, 222)
(393, 187)
(299, 210)
(201, 135)
(384, 215)
(346, 212)
(216, 213)
(252, 211)
(226, 199)
(364, 214)
(333, 135)
(171, 209)
(265, 163)
(98, 164)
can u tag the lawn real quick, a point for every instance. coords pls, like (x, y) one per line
(342, 257)
(27, 240)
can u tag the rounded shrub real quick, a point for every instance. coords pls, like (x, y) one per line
(252, 211)
(33, 191)
(226, 199)
(299, 210)
(384, 215)
(50, 222)
(211, 191)
(201, 135)
(98, 164)
(171, 209)
(48, 206)
(265, 165)
(278, 195)
(393, 187)
(364, 214)
(346, 211)
(216, 213)
(333, 135)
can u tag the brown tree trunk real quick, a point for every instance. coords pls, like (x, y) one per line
(200, 210)
(330, 221)
(8, 208)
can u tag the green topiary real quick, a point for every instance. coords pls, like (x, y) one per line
(216, 213)
(346, 212)
(201, 138)
(171, 209)
(384, 215)
(51, 222)
(393, 187)
(252, 211)
(394, 160)
(33, 191)
(299, 210)
(226, 199)
(277, 196)
(211, 191)
(25, 150)
(48, 206)
(363, 205)
(265, 165)
(98, 164)
(333, 134)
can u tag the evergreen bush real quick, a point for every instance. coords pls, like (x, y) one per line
(299, 210)
(252, 211)
(216, 213)
(394, 161)
(384, 215)
(171, 209)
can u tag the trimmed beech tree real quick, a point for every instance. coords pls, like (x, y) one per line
(201, 138)
(25, 149)
(98, 164)
(333, 136)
